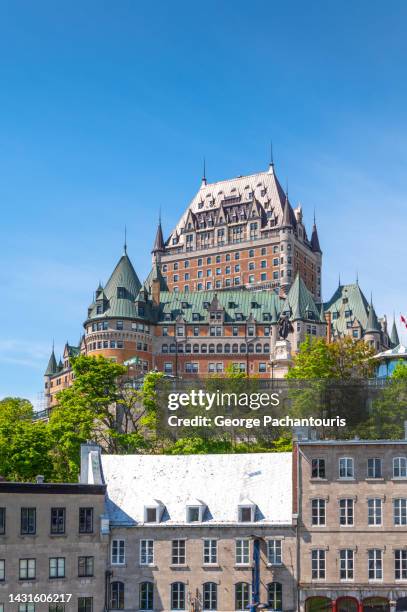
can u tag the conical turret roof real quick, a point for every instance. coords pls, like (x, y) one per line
(120, 291)
(394, 336)
(372, 322)
(159, 245)
(52, 365)
(315, 240)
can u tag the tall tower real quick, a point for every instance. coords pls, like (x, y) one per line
(159, 246)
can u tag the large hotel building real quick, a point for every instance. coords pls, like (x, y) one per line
(239, 259)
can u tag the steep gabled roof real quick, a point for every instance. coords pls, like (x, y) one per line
(300, 302)
(155, 274)
(348, 298)
(120, 292)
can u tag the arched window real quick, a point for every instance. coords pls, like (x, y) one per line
(195, 348)
(187, 348)
(117, 595)
(210, 596)
(227, 348)
(172, 348)
(250, 348)
(235, 348)
(164, 348)
(376, 604)
(318, 604)
(219, 348)
(146, 596)
(211, 348)
(242, 348)
(178, 596)
(266, 348)
(204, 348)
(275, 596)
(347, 604)
(399, 467)
(242, 596)
(258, 348)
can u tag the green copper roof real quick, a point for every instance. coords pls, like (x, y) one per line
(372, 322)
(348, 305)
(155, 274)
(264, 306)
(394, 336)
(118, 296)
(52, 365)
(300, 303)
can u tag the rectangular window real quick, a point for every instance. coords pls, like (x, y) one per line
(400, 467)
(374, 467)
(400, 564)
(57, 567)
(242, 552)
(346, 564)
(57, 520)
(178, 552)
(146, 552)
(375, 564)
(85, 604)
(118, 555)
(28, 521)
(346, 512)
(27, 569)
(400, 511)
(22, 608)
(318, 468)
(318, 512)
(318, 564)
(374, 511)
(85, 567)
(274, 553)
(346, 469)
(2, 521)
(85, 520)
(210, 552)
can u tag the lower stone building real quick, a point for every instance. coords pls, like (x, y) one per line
(351, 502)
(200, 532)
(52, 547)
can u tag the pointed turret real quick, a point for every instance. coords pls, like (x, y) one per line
(159, 246)
(287, 216)
(372, 322)
(394, 336)
(52, 367)
(314, 239)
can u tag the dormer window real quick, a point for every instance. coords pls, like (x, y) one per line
(246, 512)
(99, 309)
(153, 512)
(167, 316)
(195, 316)
(121, 293)
(184, 304)
(239, 316)
(206, 305)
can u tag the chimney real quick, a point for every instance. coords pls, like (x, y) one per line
(91, 472)
(155, 291)
(40, 479)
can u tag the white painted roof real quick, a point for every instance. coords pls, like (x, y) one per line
(221, 482)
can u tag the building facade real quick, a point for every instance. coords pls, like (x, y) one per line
(352, 514)
(52, 545)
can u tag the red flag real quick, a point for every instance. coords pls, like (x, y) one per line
(403, 320)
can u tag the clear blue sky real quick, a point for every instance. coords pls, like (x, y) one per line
(107, 109)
